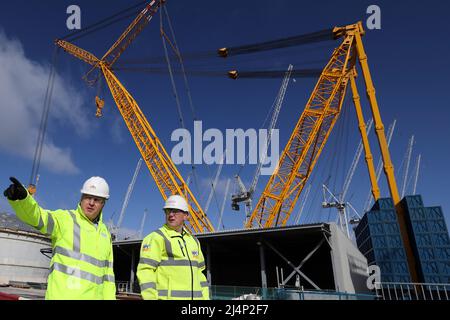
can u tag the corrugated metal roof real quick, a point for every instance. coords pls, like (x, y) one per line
(321, 225)
(9, 221)
(259, 230)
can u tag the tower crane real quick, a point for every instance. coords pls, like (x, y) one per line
(214, 184)
(167, 177)
(416, 175)
(141, 229)
(245, 195)
(340, 203)
(128, 195)
(380, 164)
(227, 187)
(355, 161)
(341, 206)
(305, 198)
(408, 160)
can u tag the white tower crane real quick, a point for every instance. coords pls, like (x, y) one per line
(380, 164)
(305, 198)
(227, 187)
(245, 195)
(416, 176)
(128, 194)
(141, 229)
(408, 160)
(340, 203)
(355, 162)
(216, 180)
(341, 206)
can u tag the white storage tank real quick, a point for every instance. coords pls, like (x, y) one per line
(21, 259)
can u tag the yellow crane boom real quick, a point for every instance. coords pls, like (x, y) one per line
(306, 142)
(167, 177)
(312, 131)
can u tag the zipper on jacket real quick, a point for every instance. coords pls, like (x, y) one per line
(181, 247)
(192, 272)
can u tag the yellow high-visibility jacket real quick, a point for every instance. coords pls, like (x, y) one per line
(170, 266)
(82, 262)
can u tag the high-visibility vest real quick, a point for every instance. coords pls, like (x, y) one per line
(170, 266)
(82, 262)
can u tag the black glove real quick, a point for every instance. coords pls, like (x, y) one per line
(15, 191)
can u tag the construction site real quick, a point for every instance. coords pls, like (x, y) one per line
(320, 208)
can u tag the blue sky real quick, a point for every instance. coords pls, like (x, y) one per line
(408, 58)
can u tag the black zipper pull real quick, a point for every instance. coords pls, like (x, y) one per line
(181, 247)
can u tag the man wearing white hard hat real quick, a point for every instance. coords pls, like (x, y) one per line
(171, 264)
(82, 262)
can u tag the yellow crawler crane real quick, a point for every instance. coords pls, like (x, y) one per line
(312, 131)
(162, 169)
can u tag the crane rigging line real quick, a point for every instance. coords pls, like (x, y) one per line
(313, 37)
(180, 58)
(211, 53)
(175, 48)
(44, 120)
(299, 73)
(169, 67)
(106, 22)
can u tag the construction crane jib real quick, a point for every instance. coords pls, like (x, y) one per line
(167, 177)
(312, 131)
(308, 138)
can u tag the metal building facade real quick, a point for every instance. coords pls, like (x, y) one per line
(320, 254)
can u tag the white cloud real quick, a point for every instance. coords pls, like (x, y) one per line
(23, 83)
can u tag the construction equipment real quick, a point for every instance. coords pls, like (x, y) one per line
(307, 140)
(313, 129)
(214, 183)
(340, 202)
(141, 229)
(416, 175)
(245, 195)
(219, 224)
(380, 165)
(305, 198)
(341, 206)
(127, 197)
(355, 161)
(167, 177)
(408, 160)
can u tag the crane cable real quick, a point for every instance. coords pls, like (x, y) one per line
(175, 48)
(43, 125)
(106, 22)
(313, 37)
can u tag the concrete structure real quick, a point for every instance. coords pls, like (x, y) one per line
(21, 259)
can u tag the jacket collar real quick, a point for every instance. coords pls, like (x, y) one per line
(172, 233)
(80, 211)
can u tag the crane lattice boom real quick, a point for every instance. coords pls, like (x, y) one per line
(306, 143)
(167, 177)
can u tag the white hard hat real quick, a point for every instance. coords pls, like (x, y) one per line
(96, 186)
(176, 202)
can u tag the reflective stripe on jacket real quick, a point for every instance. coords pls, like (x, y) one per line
(82, 262)
(171, 265)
